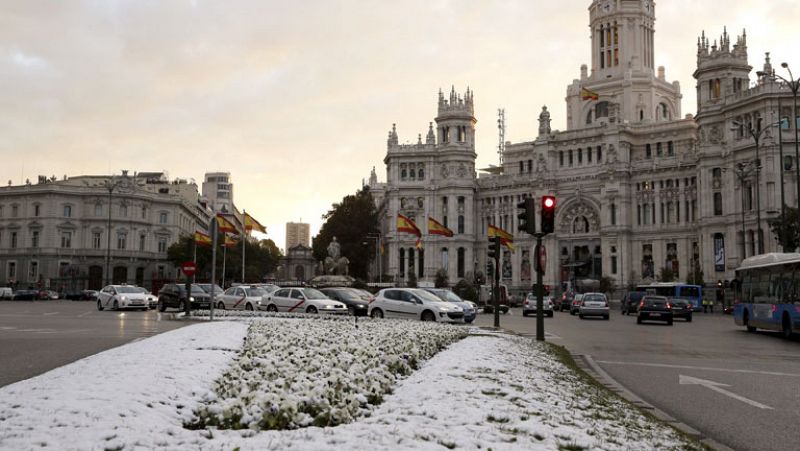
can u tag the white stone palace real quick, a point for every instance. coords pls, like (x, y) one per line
(640, 187)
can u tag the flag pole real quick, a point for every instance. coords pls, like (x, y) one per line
(194, 257)
(244, 239)
(213, 264)
(224, 256)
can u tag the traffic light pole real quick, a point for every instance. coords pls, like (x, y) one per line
(496, 288)
(539, 290)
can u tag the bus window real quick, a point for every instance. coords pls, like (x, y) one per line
(689, 292)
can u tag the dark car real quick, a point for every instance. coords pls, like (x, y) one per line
(173, 295)
(630, 302)
(654, 308)
(354, 300)
(681, 308)
(89, 295)
(26, 295)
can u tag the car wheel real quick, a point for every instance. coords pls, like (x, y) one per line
(116, 305)
(161, 306)
(220, 306)
(428, 315)
(311, 309)
(99, 306)
(746, 321)
(524, 313)
(272, 308)
(638, 321)
(549, 314)
(377, 313)
(572, 313)
(688, 319)
(605, 317)
(249, 307)
(669, 323)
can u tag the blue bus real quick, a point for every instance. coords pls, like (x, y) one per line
(692, 293)
(768, 293)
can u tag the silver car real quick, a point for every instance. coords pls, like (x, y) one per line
(593, 304)
(529, 305)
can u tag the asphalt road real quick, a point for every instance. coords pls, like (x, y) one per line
(741, 389)
(37, 336)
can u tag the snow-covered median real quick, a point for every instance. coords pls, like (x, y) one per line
(485, 391)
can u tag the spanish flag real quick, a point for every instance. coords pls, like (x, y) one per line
(586, 94)
(250, 224)
(230, 241)
(225, 226)
(418, 244)
(436, 228)
(201, 239)
(404, 224)
(506, 239)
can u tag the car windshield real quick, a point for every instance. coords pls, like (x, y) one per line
(141, 290)
(426, 296)
(650, 300)
(348, 295)
(255, 292)
(312, 293)
(195, 289)
(593, 298)
(362, 294)
(207, 288)
(128, 290)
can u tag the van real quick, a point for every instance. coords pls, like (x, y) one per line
(6, 293)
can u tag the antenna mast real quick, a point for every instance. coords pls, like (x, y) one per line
(501, 126)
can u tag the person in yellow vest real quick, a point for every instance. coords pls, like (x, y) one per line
(708, 303)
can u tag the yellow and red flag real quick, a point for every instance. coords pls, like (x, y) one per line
(587, 94)
(436, 228)
(506, 239)
(201, 239)
(418, 244)
(405, 224)
(251, 224)
(230, 241)
(225, 226)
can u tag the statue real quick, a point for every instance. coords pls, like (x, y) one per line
(544, 122)
(335, 264)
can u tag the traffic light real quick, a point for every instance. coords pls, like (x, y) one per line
(527, 218)
(494, 248)
(548, 214)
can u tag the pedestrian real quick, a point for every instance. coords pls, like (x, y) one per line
(706, 304)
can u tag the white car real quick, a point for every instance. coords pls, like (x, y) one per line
(152, 300)
(529, 305)
(413, 303)
(117, 297)
(594, 304)
(240, 298)
(299, 300)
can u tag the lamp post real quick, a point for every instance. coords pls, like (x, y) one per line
(794, 86)
(771, 77)
(743, 171)
(377, 238)
(755, 133)
(112, 184)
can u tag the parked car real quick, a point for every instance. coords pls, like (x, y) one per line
(354, 300)
(654, 308)
(89, 295)
(173, 295)
(681, 308)
(575, 305)
(240, 298)
(6, 293)
(267, 287)
(303, 299)
(529, 306)
(413, 303)
(26, 295)
(118, 297)
(365, 295)
(630, 302)
(566, 301)
(470, 309)
(594, 304)
(48, 295)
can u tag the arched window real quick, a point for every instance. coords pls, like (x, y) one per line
(445, 262)
(613, 214)
(570, 157)
(641, 115)
(403, 174)
(402, 261)
(460, 224)
(461, 256)
(580, 156)
(521, 167)
(421, 172)
(664, 112)
(589, 117)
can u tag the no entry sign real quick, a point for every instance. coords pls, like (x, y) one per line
(188, 268)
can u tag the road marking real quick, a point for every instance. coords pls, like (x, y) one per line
(716, 386)
(50, 313)
(702, 368)
(84, 314)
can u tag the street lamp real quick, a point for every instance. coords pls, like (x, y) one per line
(743, 171)
(794, 86)
(112, 184)
(756, 133)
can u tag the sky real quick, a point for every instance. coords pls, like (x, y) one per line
(295, 99)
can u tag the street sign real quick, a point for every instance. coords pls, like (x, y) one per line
(541, 258)
(188, 268)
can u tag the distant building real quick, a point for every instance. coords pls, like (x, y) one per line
(218, 191)
(299, 263)
(297, 233)
(55, 233)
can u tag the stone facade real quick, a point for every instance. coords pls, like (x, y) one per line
(55, 233)
(299, 264)
(639, 187)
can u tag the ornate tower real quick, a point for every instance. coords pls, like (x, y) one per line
(623, 34)
(721, 70)
(456, 121)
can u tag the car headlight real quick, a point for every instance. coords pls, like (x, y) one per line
(328, 306)
(191, 298)
(123, 298)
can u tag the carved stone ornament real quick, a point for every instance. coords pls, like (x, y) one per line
(579, 218)
(541, 164)
(444, 171)
(715, 135)
(462, 171)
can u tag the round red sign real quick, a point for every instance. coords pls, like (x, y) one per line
(188, 268)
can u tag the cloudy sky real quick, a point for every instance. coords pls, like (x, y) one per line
(295, 98)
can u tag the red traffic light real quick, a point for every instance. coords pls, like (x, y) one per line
(549, 202)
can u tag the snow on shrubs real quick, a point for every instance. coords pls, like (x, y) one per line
(313, 372)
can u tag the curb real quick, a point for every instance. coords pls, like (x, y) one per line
(587, 364)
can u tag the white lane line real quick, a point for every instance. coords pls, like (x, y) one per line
(717, 387)
(50, 313)
(702, 368)
(84, 314)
